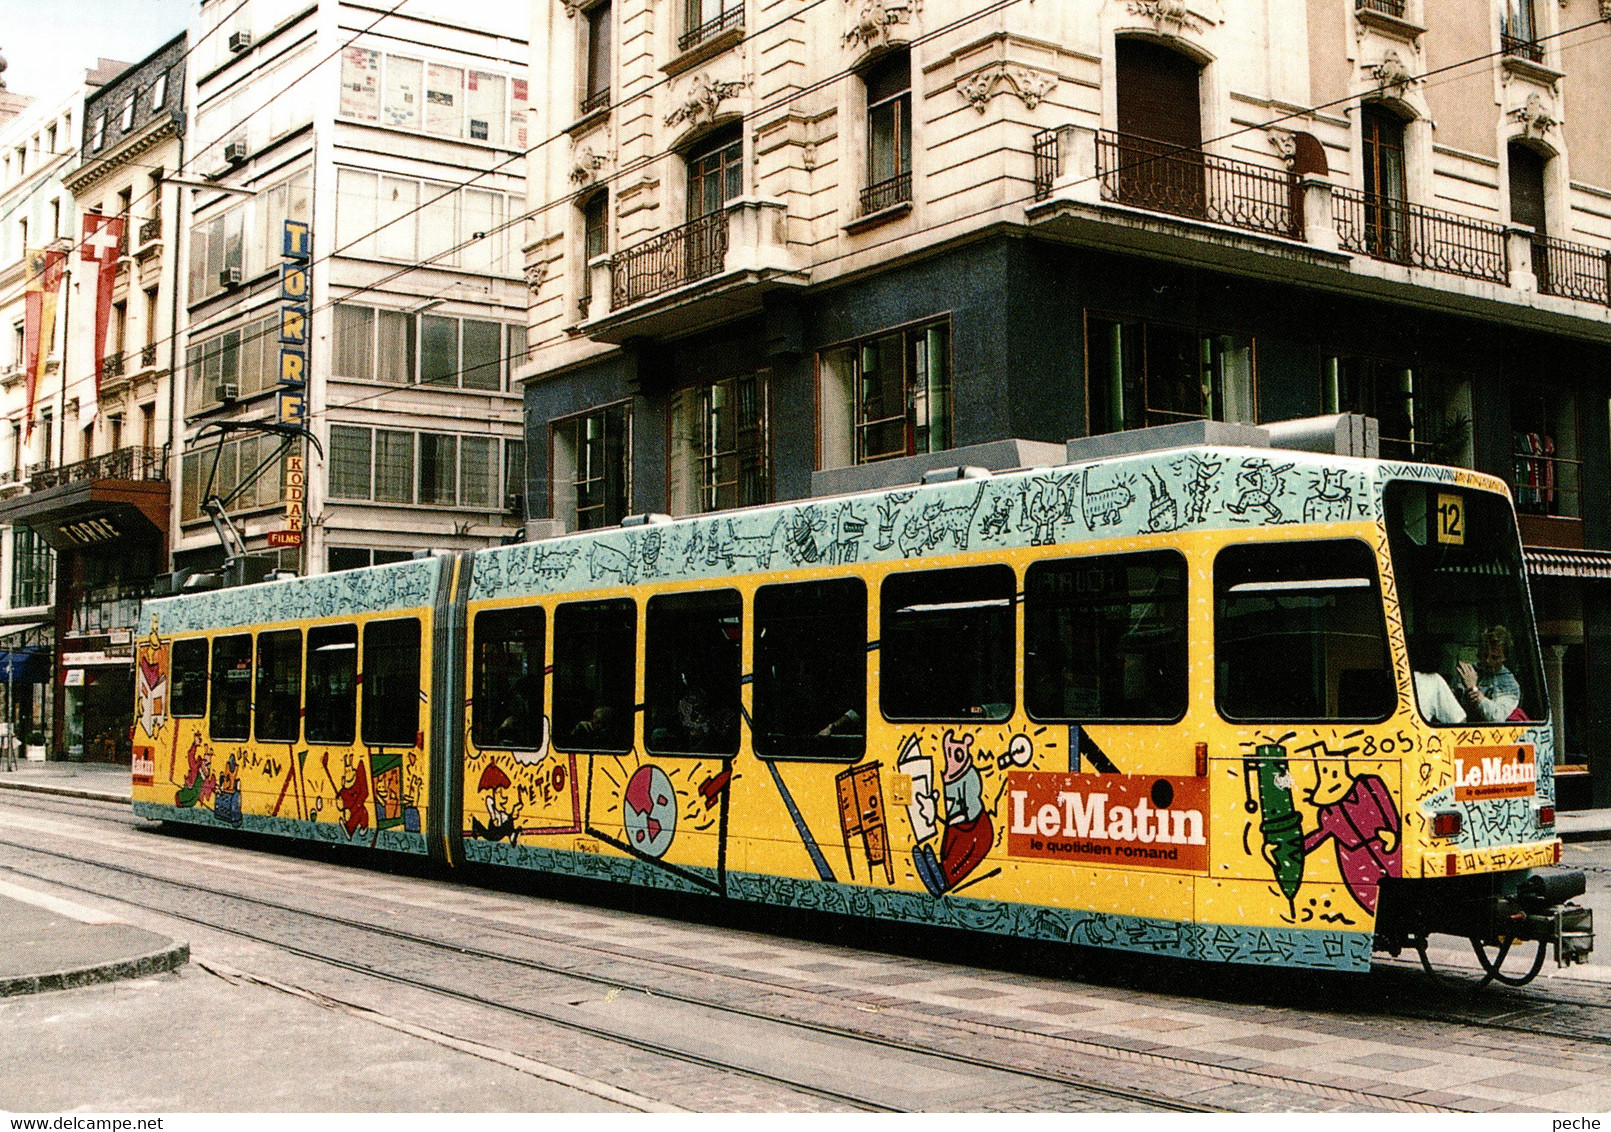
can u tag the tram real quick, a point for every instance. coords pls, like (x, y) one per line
(1241, 705)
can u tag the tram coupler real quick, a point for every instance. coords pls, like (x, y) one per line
(1540, 908)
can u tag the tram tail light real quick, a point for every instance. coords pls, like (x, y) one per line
(1557, 852)
(1447, 823)
(1202, 760)
(1546, 815)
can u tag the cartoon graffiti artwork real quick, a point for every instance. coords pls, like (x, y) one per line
(1163, 513)
(501, 817)
(1200, 489)
(151, 681)
(392, 804)
(1280, 823)
(1106, 506)
(888, 511)
(1357, 814)
(998, 520)
(1260, 482)
(197, 785)
(861, 814)
(969, 832)
(922, 808)
(849, 528)
(649, 811)
(1330, 500)
(352, 795)
(227, 799)
(1045, 504)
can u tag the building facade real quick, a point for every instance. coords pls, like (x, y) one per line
(39, 152)
(399, 139)
(767, 254)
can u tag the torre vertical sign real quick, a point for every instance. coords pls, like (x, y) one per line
(296, 289)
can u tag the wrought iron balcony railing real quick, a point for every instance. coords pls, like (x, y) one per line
(141, 464)
(1045, 150)
(151, 230)
(112, 366)
(710, 29)
(1156, 175)
(1417, 236)
(1518, 47)
(1386, 7)
(598, 100)
(148, 355)
(887, 193)
(1572, 271)
(694, 251)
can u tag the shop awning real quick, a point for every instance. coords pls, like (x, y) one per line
(1558, 563)
(25, 666)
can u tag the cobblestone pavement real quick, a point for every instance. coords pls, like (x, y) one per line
(790, 1018)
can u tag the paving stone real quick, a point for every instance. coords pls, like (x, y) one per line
(1388, 1089)
(896, 979)
(754, 956)
(970, 992)
(823, 968)
(1389, 1062)
(1440, 1098)
(1524, 1083)
(1158, 1025)
(1061, 1008)
(1271, 1042)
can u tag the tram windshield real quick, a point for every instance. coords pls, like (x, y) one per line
(1468, 623)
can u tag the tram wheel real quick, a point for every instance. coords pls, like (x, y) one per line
(1491, 967)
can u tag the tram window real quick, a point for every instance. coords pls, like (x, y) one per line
(232, 688)
(507, 699)
(187, 679)
(811, 670)
(332, 684)
(279, 686)
(1299, 633)
(1105, 638)
(948, 644)
(691, 672)
(595, 675)
(391, 683)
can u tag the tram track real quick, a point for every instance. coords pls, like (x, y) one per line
(761, 984)
(1095, 1089)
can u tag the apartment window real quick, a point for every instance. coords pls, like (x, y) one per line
(234, 364)
(50, 138)
(1520, 32)
(1386, 235)
(889, 133)
(120, 326)
(1140, 374)
(148, 426)
(98, 138)
(86, 448)
(127, 123)
(595, 240)
(47, 429)
(1527, 203)
(703, 19)
(811, 670)
(32, 569)
(721, 445)
(715, 172)
(1160, 126)
(691, 673)
(114, 429)
(514, 477)
(332, 684)
(398, 348)
(596, 88)
(159, 92)
(595, 675)
(886, 396)
(592, 468)
(151, 319)
(1423, 414)
(1543, 424)
(448, 101)
(423, 220)
(360, 84)
(217, 254)
(391, 683)
(255, 461)
(949, 644)
(55, 217)
(435, 469)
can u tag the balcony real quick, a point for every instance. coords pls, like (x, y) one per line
(148, 355)
(1516, 47)
(1045, 153)
(598, 100)
(1417, 236)
(150, 230)
(1394, 8)
(141, 465)
(715, 267)
(1572, 271)
(887, 194)
(1143, 173)
(732, 19)
(112, 365)
(96, 502)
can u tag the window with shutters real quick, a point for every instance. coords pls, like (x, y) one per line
(1386, 196)
(1160, 127)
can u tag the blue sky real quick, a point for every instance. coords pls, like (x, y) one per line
(48, 43)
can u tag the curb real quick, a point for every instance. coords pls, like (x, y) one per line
(170, 958)
(64, 791)
(1586, 835)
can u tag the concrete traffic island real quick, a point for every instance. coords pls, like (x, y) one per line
(51, 944)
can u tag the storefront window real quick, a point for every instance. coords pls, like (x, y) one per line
(1140, 374)
(1423, 415)
(886, 397)
(1544, 440)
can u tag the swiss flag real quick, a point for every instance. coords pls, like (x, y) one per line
(98, 245)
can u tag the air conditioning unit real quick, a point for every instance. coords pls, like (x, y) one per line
(515, 503)
(235, 151)
(240, 41)
(226, 391)
(229, 277)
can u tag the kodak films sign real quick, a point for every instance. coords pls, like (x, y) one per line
(1134, 820)
(1482, 774)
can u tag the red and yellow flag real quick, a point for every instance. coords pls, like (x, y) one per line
(41, 288)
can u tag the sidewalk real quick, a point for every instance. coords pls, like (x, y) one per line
(47, 943)
(75, 780)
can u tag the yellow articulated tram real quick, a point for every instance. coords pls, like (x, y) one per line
(1232, 704)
